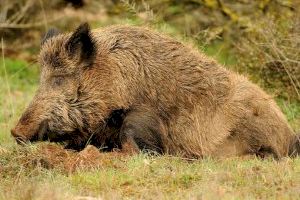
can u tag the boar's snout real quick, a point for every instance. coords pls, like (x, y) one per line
(24, 133)
(19, 138)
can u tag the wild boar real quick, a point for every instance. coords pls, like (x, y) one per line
(137, 89)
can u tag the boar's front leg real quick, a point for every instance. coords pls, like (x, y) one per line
(142, 130)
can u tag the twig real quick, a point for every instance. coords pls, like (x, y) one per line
(44, 15)
(18, 16)
(6, 79)
(25, 26)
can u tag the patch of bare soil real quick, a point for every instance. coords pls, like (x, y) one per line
(53, 156)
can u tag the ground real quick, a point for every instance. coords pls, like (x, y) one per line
(47, 171)
(29, 175)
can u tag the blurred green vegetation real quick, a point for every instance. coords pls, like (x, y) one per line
(258, 38)
(18, 83)
(21, 75)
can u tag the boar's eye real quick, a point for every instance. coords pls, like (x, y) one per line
(58, 81)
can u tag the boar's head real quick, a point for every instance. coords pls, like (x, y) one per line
(70, 103)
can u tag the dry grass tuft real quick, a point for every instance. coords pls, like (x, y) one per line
(55, 157)
(270, 54)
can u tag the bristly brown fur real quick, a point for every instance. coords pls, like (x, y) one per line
(147, 90)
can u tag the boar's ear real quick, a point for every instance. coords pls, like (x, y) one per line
(81, 43)
(51, 33)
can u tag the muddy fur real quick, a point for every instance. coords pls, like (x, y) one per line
(125, 86)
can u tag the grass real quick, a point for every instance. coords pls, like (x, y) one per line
(143, 177)
(45, 171)
(19, 83)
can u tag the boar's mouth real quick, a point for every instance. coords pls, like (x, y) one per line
(39, 135)
(77, 139)
(74, 139)
(45, 134)
(41, 132)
